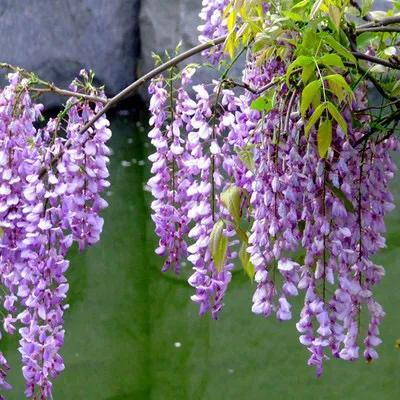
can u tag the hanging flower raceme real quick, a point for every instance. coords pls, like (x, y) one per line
(42, 213)
(315, 216)
(19, 158)
(214, 26)
(169, 181)
(185, 183)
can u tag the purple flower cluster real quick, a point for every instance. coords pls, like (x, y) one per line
(315, 222)
(184, 183)
(41, 215)
(213, 27)
(168, 184)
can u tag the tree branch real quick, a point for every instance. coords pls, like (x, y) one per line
(150, 75)
(357, 6)
(68, 93)
(375, 60)
(381, 22)
(245, 86)
(378, 29)
(353, 46)
(135, 85)
(51, 88)
(385, 121)
(363, 110)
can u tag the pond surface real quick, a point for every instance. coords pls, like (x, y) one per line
(133, 333)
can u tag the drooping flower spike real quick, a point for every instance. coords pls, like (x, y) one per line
(40, 217)
(260, 187)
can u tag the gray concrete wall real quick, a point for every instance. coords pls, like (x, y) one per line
(56, 38)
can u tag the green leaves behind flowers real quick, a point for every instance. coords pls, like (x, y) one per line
(246, 155)
(244, 257)
(324, 137)
(231, 199)
(312, 92)
(348, 205)
(262, 104)
(331, 109)
(218, 245)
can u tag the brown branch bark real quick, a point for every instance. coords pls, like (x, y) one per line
(51, 88)
(378, 29)
(150, 75)
(381, 22)
(375, 60)
(68, 93)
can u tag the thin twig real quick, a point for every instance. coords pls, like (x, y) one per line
(150, 75)
(386, 121)
(363, 110)
(289, 111)
(375, 60)
(268, 86)
(231, 82)
(135, 85)
(68, 93)
(50, 87)
(378, 29)
(382, 22)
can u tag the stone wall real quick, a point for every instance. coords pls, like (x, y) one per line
(56, 38)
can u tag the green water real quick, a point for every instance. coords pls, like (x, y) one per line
(133, 333)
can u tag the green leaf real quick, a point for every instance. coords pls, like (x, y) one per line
(396, 89)
(246, 156)
(378, 69)
(238, 4)
(324, 137)
(293, 16)
(366, 7)
(242, 235)
(365, 39)
(310, 41)
(332, 60)
(231, 21)
(390, 51)
(335, 15)
(244, 257)
(301, 4)
(262, 104)
(340, 81)
(348, 205)
(314, 118)
(315, 8)
(231, 199)
(1, 232)
(339, 48)
(307, 73)
(308, 94)
(300, 61)
(261, 42)
(231, 44)
(337, 90)
(218, 245)
(378, 15)
(337, 116)
(339, 86)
